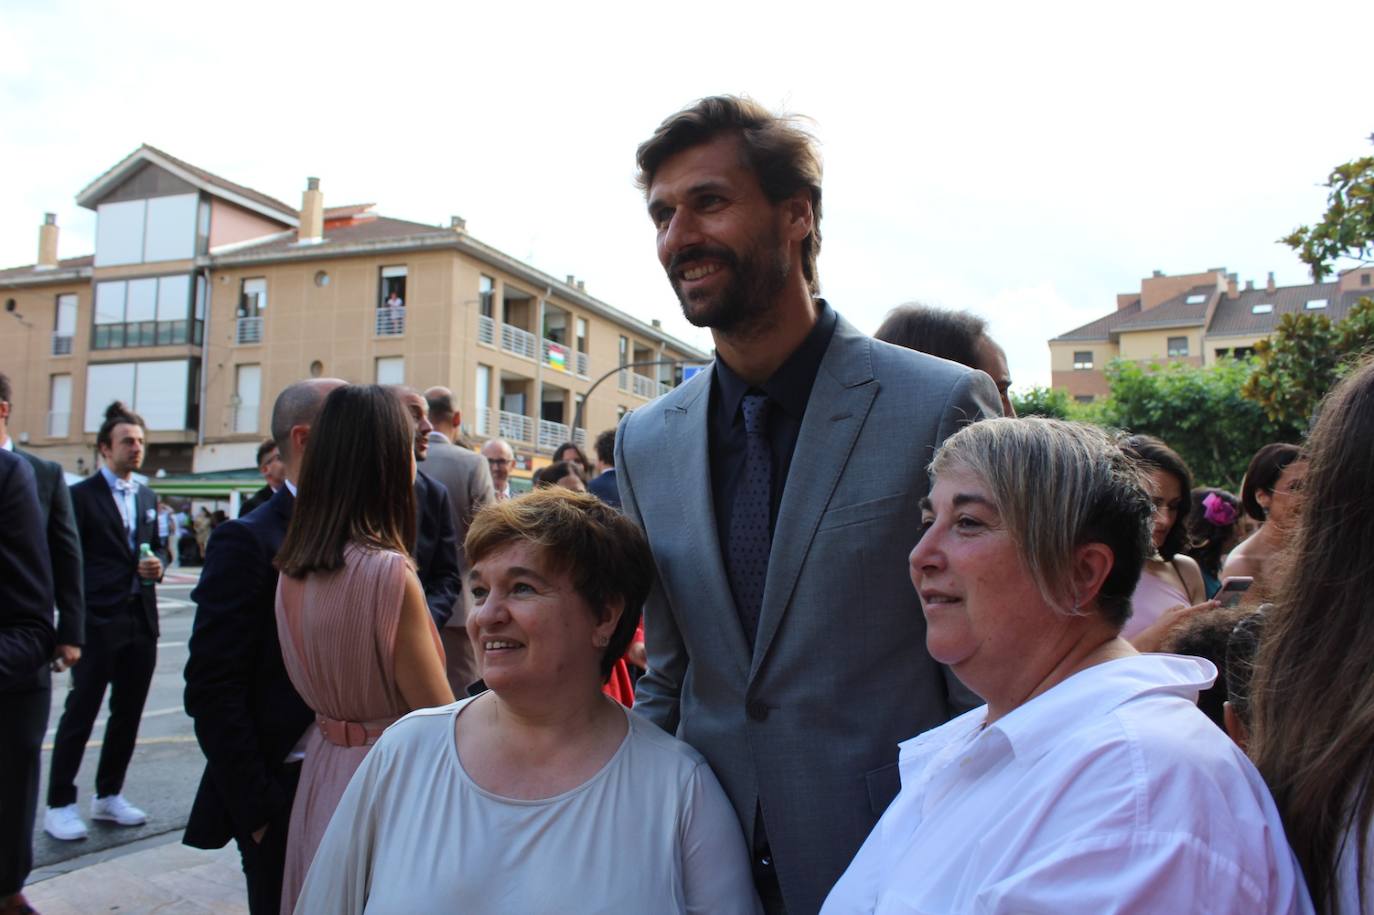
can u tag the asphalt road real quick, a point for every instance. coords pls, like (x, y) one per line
(167, 761)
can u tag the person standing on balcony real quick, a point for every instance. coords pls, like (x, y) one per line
(501, 458)
(394, 300)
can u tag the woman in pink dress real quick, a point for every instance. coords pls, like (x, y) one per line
(356, 637)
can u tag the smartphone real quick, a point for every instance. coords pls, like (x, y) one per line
(1232, 588)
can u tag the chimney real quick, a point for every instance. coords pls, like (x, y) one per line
(1232, 285)
(657, 323)
(47, 242)
(1269, 286)
(312, 214)
(457, 223)
(571, 280)
(581, 285)
(1157, 274)
(1249, 285)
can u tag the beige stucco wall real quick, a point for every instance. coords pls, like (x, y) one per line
(1154, 344)
(26, 357)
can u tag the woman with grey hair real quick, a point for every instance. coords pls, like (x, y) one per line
(1089, 782)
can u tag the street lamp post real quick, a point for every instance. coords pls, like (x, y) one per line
(577, 414)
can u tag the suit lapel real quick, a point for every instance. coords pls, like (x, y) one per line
(104, 499)
(687, 431)
(840, 399)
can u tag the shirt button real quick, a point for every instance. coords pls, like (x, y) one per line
(757, 711)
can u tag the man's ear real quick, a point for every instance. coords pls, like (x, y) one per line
(1092, 563)
(299, 436)
(798, 215)
(1234, 726)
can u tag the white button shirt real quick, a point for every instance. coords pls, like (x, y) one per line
(1110, 792)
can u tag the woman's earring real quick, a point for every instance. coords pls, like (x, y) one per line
(602, 641)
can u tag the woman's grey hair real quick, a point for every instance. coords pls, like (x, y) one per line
(1057, 486)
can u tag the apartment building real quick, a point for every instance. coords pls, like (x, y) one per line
(204, 298)
(1195, 318)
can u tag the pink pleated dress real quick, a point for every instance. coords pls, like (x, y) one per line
(338, 637)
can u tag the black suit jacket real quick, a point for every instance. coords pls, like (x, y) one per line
(261, 497)
(605, 488)
(111, 564)
(26, 632)
(436, 548)
(247, 714)
(64, 549)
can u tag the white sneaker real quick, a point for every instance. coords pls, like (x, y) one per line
(118, 810)
(64, 823)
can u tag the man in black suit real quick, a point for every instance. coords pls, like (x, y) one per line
(115, 516)
(26, 704)
(249, 720)
(273, 471)
(603, 485)
(26, 646)
(436, 541)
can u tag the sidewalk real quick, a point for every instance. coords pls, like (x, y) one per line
(158, 874)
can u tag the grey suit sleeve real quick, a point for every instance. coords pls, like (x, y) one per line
(972, 398)
(481, 491)
(658, 692)
(69, 586)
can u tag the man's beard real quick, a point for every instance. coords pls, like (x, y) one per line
(745, 302)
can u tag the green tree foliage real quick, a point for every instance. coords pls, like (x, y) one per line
(1199, 412)
(1038, 401)
(1347, 228)
(1307, 354)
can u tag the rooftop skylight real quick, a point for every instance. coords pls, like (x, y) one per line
(1314, 304)
(1264, 309)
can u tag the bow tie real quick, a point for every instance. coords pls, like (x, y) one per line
(126, 486)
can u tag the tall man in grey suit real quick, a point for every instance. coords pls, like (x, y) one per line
(785, 640)
(468, 478)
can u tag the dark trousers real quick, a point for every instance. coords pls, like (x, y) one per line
(121, 654)
(264, 862)
(23, 719)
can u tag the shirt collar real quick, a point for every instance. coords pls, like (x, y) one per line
(290, 486)
(8, 444)
(790, 385)
(115, 483)
(1097, 690)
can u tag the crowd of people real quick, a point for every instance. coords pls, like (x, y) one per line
(827, 628)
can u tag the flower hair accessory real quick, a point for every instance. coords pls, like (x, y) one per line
(1218, 511)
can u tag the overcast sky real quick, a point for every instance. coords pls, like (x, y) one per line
(1025, 161)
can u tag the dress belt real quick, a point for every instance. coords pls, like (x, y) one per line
(352, 733)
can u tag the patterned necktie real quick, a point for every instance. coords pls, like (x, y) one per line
(750, 540)
(126, 497)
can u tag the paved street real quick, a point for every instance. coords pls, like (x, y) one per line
(167, 763)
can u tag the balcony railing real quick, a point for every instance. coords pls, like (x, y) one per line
(484, 421)
(623, 380)
(644, 387)
(516, 427)
(520, 342)
(58, 424)
(551, 435)
(583, 364)
(248, 330)
(246, 417)
(61, 346)
(486, 330)
(391, 322)
(579, 437)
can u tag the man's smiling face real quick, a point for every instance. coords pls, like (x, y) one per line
(720, 239)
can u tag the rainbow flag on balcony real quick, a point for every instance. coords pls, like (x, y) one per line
(558, 357)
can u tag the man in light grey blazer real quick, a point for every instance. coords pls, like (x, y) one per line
(780, 493)
(468, 479)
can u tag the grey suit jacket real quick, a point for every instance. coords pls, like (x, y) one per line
(807, 725)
